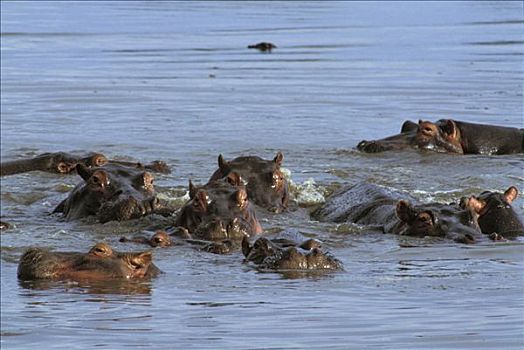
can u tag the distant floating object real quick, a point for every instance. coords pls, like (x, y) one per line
(263, 46)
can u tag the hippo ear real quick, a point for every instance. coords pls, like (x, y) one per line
(98, 159)
(202, 199)
(404, 211)
(142, 259)
(449, 128)
(62, 168)
(192, 190)
(241, 198)
(278, 158)
(475, 204)
(235, 179)
(222, 164)
(510, 194)
(83, 171)
(246, 248)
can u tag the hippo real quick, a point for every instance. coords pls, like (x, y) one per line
(100, 263)
(219, 210)
(372, 205)
(57, 163)
(111, 192)
(277, 255)
(65, 163)
(4, 225)
(263, 46)
(453, 136)
(495, 215)
(401, 141)
(266, 185)
(159, 239)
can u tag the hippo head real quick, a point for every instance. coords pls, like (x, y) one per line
(65, 163)
(112, 192)
(419, 222)
(100, 263)
(495, 213)
(219, 210)
(441, 137)
(265, 182)
(268, 255)
(160, 239)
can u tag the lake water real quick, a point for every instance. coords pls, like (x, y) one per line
(175, 81)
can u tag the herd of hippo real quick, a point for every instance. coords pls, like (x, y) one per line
(221, 215)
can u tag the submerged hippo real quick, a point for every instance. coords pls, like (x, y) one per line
(159, 239)
(496, 216)
(112, 192)
(368, 204)
(278, 255)
(65, 163)
(220, 210)
(451, 136)
(454, 136)
(58, 163)
(266, 185)
(263, 46)
(100, 263)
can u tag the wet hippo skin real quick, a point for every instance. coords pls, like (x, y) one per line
(454, 136)
(112, 192)
(496, 216)
(372, 205)
(219, 210)
(265, 182)
(451, 136)
(278, 255)
(58, 163)
(100, 263)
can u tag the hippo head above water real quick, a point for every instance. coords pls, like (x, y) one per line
(437, 220)
(440, 137)
(265, 183)
(495, 213)
(271, 255)
(112, 192)
(100, 263)
(57, 163)
(219, 210)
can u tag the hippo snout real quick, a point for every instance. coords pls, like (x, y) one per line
(127, 208)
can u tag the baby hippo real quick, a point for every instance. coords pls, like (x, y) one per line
(277, 255)
(100, 263)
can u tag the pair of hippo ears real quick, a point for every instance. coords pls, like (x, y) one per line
(224, 165)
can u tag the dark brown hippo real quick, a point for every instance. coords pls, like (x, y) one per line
(451, 136)
(159, 239)
(265, 183)
(65, 163)
(218, 211)
(5, 225)
(454, 136)
(263, 46)
(495, 215)
(405, 139)
(100, 263)
(58, 163)
(284, 255)
(111, 192)
(371, 205)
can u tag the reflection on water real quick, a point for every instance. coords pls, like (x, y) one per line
(175, 81)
